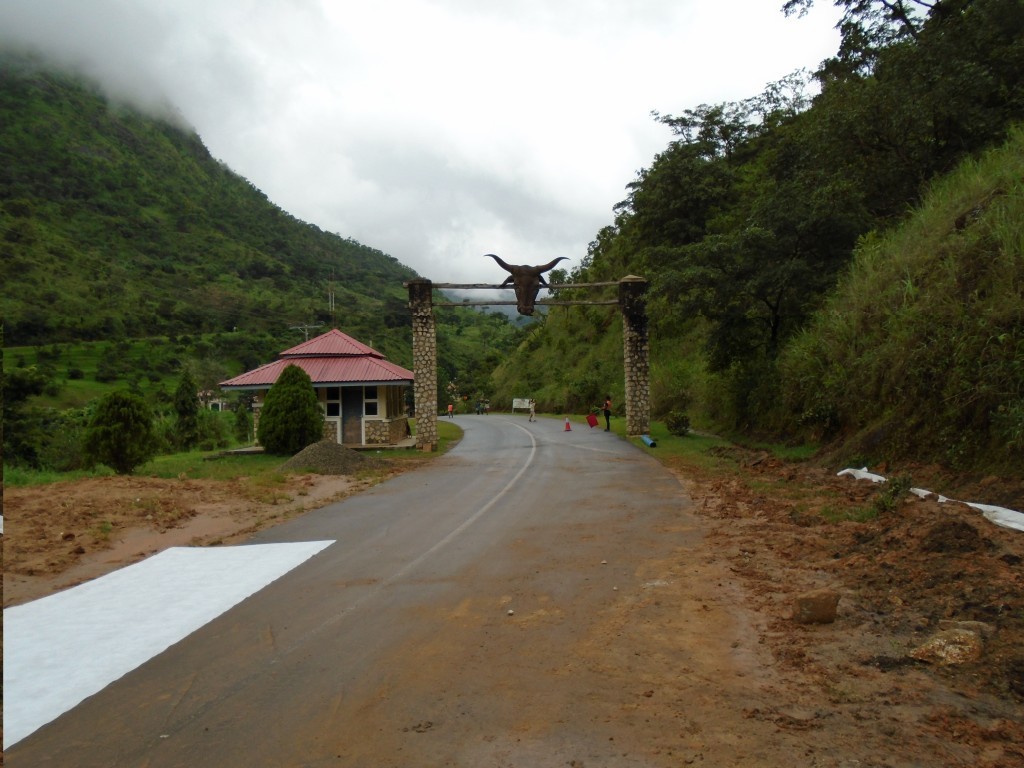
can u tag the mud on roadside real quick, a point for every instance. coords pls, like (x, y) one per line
(847, 693)
(904, 577)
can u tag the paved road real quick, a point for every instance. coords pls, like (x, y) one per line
(395, 645)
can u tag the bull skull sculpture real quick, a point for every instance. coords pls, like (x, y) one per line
(526, 280)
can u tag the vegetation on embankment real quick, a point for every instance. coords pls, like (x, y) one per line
(259, 468)
(919, 352)
(811, 274)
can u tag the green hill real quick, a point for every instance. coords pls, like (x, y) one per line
(115, 224)
(128, 254)
(812, 275)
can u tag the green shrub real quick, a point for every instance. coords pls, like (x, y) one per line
(892, 494)
(291, 418)
(677, 423)
(61, 447)
(120, 433)
(213, 430)
(242, 424)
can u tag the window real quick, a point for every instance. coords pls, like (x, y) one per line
(333, 401)
(370, 401)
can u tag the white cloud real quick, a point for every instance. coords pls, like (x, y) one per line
(434, 131)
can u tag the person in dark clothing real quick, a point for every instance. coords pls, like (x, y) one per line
(607, 413)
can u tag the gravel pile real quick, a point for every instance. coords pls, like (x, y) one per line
(329, 458)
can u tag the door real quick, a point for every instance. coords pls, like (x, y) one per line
(352, 415)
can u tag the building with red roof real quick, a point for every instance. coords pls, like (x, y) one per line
(363, 396)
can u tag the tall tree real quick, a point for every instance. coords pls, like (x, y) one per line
(869, 26)
(186, 411)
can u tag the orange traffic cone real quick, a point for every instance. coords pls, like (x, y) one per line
(567, 427)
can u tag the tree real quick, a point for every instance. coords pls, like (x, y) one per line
(242, 423)
(290, 418)
(868, 26)
(19, 427)
(186, 410)
(120, 433)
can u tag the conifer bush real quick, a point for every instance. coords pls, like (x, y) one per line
(290, 418)
(120, 433)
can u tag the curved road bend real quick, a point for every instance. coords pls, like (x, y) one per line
(395, 645)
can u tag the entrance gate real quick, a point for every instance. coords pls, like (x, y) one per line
(636, 348)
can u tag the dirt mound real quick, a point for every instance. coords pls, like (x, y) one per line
(329, 458)
(953, 536)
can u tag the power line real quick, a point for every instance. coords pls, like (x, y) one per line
(306, 329)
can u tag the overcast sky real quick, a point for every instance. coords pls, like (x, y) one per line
(433, 130)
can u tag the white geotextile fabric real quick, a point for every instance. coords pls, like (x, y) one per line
(65, 647)
(1007, 518)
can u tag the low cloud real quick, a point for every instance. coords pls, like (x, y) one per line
(434, 131)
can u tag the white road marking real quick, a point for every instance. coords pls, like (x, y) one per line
(433, 549)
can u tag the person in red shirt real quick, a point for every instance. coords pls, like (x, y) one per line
(607, 413)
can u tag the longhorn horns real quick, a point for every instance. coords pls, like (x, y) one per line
(538, 270)
(527, 281)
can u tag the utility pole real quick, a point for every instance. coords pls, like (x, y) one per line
(305, 329)
(330, 300)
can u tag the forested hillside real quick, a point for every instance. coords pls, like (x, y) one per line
(747, 221)
(118, 225)
(129, 256)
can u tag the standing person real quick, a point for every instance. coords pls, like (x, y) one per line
(607, 413)
(533, 410)
(451, 410)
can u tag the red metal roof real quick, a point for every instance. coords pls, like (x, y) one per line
(330, 359)
(334, 342)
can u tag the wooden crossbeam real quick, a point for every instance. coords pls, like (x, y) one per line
(542, 302)
(479, 286)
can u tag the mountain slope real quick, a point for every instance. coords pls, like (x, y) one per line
(116, 224)
(920, 349)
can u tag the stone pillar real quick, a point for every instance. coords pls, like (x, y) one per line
(636, 354)
(424, 363)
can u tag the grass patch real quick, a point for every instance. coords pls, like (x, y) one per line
(691, 450)
(842, 515)
(448, 435)
(196, 466)
(23, 477)
(261, 468)
(266, 487)
(192, 465)
(707, 457)
(138, 358)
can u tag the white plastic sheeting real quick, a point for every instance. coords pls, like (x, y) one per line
(63, 648)
(1007, 518)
